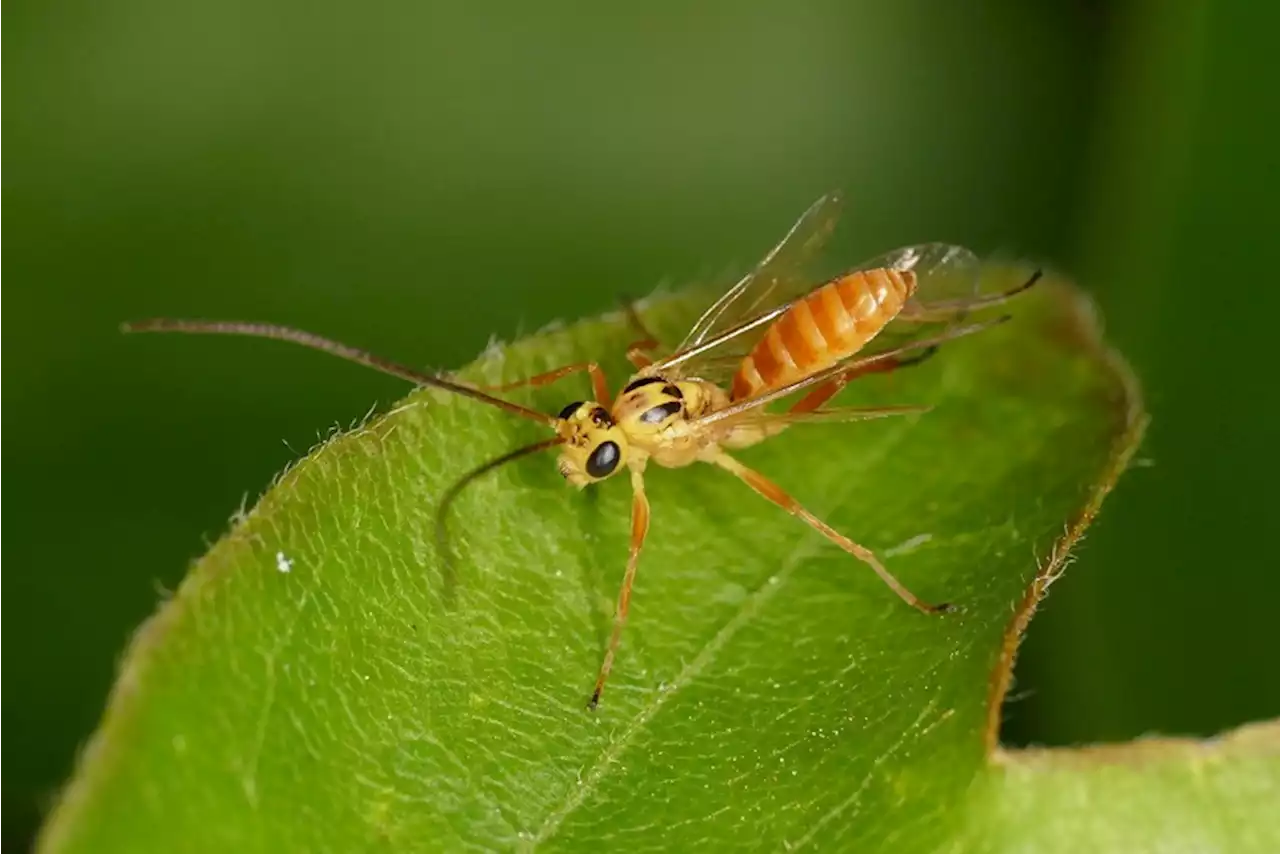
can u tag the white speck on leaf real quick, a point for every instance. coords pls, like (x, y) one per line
(908, 546)
(283, 563)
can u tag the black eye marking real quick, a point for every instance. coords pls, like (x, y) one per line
(570, 409)
(603, 460)
(661, 412)
(600, 417)
(642, 382)
(672, 390)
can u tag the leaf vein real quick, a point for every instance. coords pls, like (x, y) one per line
(762, 595)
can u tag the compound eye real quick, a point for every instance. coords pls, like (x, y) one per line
(603, 460)
(569, 410)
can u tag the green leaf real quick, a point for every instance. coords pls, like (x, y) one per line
(310, 688)
(1151, 795)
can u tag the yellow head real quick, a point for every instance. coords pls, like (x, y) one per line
(597, 442)
(594, 446)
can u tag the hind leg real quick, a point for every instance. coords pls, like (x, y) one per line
(820, 395)
(770, 490)
(944, 310)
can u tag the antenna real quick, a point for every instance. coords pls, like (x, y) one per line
(342, 351)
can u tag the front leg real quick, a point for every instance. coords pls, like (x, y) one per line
(639, 529)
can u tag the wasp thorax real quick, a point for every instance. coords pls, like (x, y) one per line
(594, 446)
(649, 405)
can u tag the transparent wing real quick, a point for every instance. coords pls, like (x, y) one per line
(776, 280)
(944, 273)
(952, 284)
(831, 416)
(753, 407)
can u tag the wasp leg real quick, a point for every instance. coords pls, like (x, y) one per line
(639, 528)
(599, 383)
(944, 310)
(636, 354)
(831, 387)
(778, 496)
(637, 351)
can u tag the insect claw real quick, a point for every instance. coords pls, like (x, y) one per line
(594, 702)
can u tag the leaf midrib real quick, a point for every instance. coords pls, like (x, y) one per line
(807, 543)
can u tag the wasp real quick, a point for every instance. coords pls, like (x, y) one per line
(771, 337)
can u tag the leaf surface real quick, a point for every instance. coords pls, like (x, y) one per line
(311, 687)
(1150, 795)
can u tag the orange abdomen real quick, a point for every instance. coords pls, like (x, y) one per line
(827, 326)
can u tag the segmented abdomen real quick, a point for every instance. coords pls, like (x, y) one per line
(830, 324)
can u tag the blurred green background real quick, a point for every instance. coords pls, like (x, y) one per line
(417, 178)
